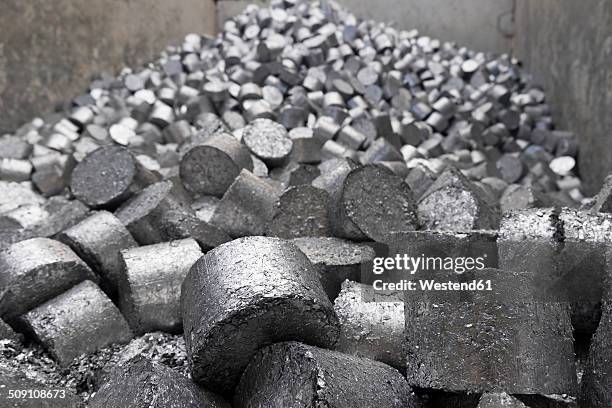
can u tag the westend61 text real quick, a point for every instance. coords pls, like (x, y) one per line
(433, 285)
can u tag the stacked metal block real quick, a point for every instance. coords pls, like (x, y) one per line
(234, 189)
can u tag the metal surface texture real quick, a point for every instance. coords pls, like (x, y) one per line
(265, 286)
(278, 372)
(317, 141)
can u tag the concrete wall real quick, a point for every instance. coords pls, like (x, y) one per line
(567, 46)
(50, 48)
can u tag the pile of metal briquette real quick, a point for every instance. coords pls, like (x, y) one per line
(191, 233)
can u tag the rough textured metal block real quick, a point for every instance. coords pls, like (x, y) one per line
(7, 332)
(510, 167)
(293, 374)
(29, 221)
(603, 199)
(399, 168)
(454, 203)
(80, 320)
(333, 173)
(13, 195)
(548, 401)
(247, 206)
(98, 240)
(583, 264)
(516, 197)
(108, 176)
(268, 140)
(381, 150)
(295, 174)
(371, 324)
(210, 168)
(25, 216)
(331, 149)
(567, 249)
(301, 212)
(351, 137)
(204, 207)
(373, 203)
(306, 148)
(177, 132)
(15, 169)
(538, 224)
(160, 213)
(500, 400)
(259, 168)
(530, 342)
(141, 383)
(14, 147)
(150, 284)
(336, 260)
(178, 224)
(419, 179)
(597, 380)
(63, 214)
(36, 270)
(265, 286)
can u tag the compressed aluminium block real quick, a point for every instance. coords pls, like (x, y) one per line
(530, 342)
(597, 380)
(159, 213)
(210, 167)
(141, 383)
(548, 401)
(205, 206)
(306, 148)
(455, 203)
(244, 295)
(36, 270)
(108, 176)
(567, 250)
(371, 324)
(46, 220)
(25, 216)
(79, 321)
(499, 400)
(13, 195)
(333, 173)
(268, 140)
(336, 260)
(295, 375)
(150, 284)
(603, 199)
(583, 264)
(516, 197)
(7, 332)
(247, 206)
(63, 214)
(301, 212)
(295, 174)
(372, 203)
(98, 240)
